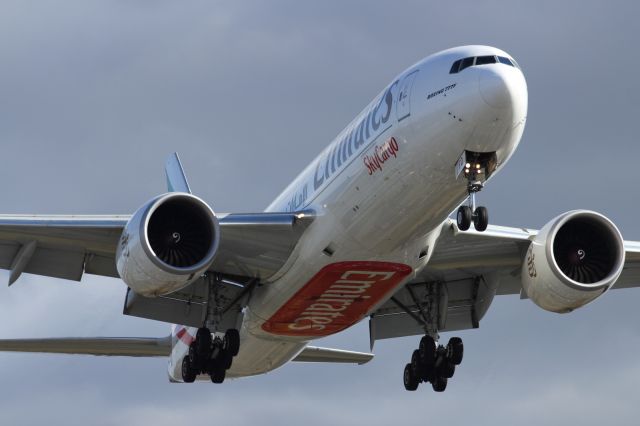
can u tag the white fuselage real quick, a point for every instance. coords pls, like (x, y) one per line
(380, 192)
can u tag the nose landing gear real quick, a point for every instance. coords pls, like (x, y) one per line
(467, 214)
(432, 363)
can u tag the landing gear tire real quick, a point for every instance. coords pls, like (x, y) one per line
(192, 353)
(218, 375)
(433, 363)
(226, 359)
(411, 381)
(455, 350)
(210, 355)
(231, 342)
(480, 219)
(427, 349)
(439, 384)
(195, 360)
(464, 217)
(416, 364)
(188, 373)
(446, 370)
(428, 354)
(203, 343)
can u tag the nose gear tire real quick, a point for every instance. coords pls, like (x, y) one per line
(481, 219)
(464, 217)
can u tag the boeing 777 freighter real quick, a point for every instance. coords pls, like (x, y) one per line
(362, 233)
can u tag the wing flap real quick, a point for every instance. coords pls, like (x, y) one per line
(101, 346)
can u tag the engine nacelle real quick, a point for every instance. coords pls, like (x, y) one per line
(167, 244)
(574, 259)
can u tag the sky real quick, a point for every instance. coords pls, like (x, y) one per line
(94, 95)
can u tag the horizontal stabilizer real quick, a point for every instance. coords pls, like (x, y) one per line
(105, 346)
(316, 354)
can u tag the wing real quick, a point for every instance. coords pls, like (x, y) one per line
(466, 271)
(252, 245)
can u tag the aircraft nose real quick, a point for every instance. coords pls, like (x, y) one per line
(495, 87)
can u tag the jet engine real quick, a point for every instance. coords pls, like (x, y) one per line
(167, 244)
(574, 259)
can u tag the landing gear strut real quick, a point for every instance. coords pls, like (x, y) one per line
(210, 355)
(433, 363)
(470, 213)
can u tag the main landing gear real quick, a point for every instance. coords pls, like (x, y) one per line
(467, 214)
(433, 363)
(210, 355)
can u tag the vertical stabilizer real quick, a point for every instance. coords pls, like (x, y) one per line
(176, 179)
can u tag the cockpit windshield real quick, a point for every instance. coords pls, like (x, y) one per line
(473, 61)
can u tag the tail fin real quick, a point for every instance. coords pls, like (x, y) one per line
(176, 179)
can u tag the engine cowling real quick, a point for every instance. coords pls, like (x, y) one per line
(574, 259)
(167, 244)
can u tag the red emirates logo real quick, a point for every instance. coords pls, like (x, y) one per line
(337, 297)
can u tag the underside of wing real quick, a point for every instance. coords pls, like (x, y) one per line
(462, 255)
(59, 246)
(258, 245)
(453, 292)
(467, 269)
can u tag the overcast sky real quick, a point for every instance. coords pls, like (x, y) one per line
(95, 94)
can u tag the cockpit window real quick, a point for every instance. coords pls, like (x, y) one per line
(505, 61)
(455, 66)
(461, 64)
(466, 63)
(483, 60)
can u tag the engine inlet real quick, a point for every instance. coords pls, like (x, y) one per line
(180, 232)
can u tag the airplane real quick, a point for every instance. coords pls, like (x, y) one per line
(364, 232)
